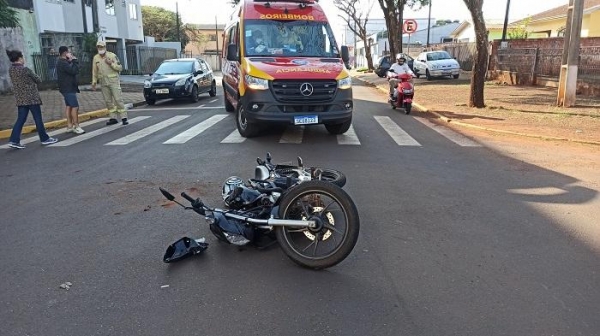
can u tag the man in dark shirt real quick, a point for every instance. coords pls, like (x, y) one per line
(67, 69)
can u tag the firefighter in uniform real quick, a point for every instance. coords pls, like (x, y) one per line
(105, 70)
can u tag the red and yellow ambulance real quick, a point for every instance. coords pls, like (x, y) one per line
(281, 63)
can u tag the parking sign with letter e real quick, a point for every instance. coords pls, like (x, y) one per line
(409, 26)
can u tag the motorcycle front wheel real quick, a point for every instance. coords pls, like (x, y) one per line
(337, 221)
(407, 108)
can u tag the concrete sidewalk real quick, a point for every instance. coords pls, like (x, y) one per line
(91, 104)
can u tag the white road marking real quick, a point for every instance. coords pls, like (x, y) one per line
(398, 134)
(234, 137)
(194, 131)
(95, 133)
(455, 137)
(348, 138)
(147, 131)
(59, 131)
(292, 134)
(158, 109)
(212, 101)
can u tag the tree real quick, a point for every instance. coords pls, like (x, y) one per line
(8, 16)
(393, 12)
(476, 98)
(357, 19)
(520, 32)
(161, 24)
(197, 38)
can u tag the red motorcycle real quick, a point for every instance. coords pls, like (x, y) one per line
(404, 92)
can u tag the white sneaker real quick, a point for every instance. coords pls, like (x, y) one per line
(78, 130)
(69, 129)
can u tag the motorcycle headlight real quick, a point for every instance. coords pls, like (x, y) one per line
(147, 84)
(181, 82)
(345, 83)
(256, 83)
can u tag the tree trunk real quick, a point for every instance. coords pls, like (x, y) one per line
(369, 56)
(400, 25)
(476, 97)
(391, 22)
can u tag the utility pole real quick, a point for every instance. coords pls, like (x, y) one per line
(428, 23)
(84, 14)
(567, 87)
(217, 40)
(95, 21)
(505, 20)
(565, 53)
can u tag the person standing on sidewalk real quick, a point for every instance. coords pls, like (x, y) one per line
(105, 70)
(67, 69)
(27, 97)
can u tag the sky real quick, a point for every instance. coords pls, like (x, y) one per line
(205, 11)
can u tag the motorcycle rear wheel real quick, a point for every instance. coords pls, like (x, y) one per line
(338, 224)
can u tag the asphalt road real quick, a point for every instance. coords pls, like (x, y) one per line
(456, 237)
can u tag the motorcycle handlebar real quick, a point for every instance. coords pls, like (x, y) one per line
(187, 197)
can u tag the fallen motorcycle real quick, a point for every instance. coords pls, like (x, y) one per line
(278, 172)
(316, 223)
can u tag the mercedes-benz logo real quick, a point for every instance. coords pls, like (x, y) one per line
(306, 89)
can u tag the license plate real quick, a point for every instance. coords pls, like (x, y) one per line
(160, 91)
(306, 120)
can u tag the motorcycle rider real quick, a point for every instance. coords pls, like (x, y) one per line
(399, 68)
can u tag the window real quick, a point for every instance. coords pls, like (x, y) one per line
(71, 1)
(175, 68)
(133, 11)
(212, 37)
(110, 7)
(290, 38)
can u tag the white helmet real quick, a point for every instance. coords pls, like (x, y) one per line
(230, 184)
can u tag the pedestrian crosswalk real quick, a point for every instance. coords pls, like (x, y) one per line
(180, 129)
(398, 134)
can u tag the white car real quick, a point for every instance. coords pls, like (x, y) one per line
(436, 64)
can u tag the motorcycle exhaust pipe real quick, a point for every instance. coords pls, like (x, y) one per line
(275, 222)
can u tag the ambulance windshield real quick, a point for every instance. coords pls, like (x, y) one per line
(289, 38)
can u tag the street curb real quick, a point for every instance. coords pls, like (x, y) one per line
(5, 134)
(424, 109)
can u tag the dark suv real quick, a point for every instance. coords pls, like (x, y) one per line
(180, 78)
(383, 65)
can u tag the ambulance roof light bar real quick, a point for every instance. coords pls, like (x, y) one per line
(301, 3)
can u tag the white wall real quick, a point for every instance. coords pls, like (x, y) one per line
(49, 15)
(66, 17)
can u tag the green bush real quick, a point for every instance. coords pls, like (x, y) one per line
(8, 16)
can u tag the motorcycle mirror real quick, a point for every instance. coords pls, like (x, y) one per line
(167, 194)
(268, 157)
(300, 162)
(260, 161)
